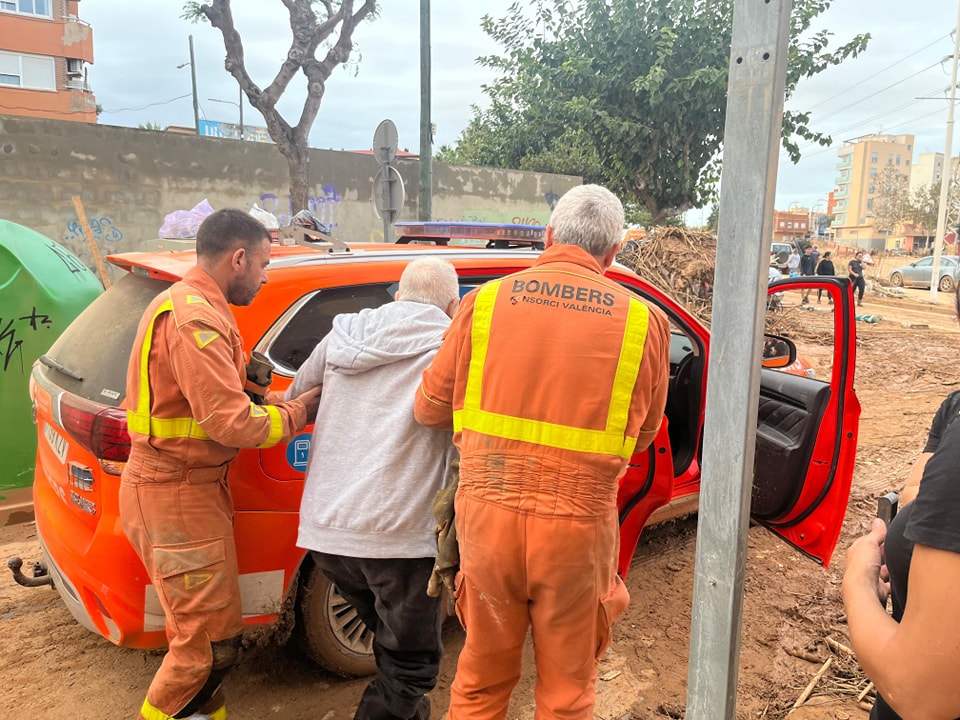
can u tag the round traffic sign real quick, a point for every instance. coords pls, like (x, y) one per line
(385, 141)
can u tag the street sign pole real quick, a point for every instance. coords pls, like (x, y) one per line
(388, 187)
(751, 144)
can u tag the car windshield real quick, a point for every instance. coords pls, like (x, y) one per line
(96, 346)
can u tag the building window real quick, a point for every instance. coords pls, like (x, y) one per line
(898, 159)
(871, 188)
(783, 223)
(873, 173)
(873, 157)
(27, 71)
(909, 148)
(908, 162)
(27, 7)
(890, 159)
(870, 204)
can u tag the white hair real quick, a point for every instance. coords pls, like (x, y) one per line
(431, 281)
(589, 216)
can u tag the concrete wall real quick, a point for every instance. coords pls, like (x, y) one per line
(130, 179)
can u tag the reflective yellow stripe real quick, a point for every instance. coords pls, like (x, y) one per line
(165, 427)
(276, 423)
(612, 440)
(149, 712)
(139, 420)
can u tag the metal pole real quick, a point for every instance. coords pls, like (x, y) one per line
(193, 83)
(751, 144)
(241, 113)
(945, 174)
(426, 129)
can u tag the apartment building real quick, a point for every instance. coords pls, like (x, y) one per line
(791, 225)
(44, 50)
(928, 171)
(861, 167)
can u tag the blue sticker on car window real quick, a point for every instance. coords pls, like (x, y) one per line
(298, 450)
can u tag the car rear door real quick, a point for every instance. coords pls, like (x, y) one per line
(807, 425)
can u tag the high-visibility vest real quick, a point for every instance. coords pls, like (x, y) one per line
(140, 421)
(611, 440)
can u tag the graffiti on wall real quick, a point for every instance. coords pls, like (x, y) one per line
(526, 217)
(106, 235)
(322, 206)
(11, 346)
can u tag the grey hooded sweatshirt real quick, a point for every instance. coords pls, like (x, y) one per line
(373, 470)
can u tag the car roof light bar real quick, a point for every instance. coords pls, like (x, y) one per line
(472, 231)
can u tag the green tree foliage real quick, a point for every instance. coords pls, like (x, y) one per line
(316, 50)
(924, 204)
(891, 202)
(627, 93)
(149, 126)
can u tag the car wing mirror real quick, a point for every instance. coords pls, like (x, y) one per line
(778, 351)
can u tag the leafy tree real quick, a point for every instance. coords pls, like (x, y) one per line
(149, 126)
(713, 219)
(311, 34)
(924, 205)
(627, 93)
(891, 202)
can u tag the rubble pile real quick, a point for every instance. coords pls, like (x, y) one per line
(680, 263)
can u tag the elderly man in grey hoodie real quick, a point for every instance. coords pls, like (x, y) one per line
(373, 471)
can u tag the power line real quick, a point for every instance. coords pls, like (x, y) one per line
(870, 77)
(144, 107)
(874, 94)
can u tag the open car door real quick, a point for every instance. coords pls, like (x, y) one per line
(808, 417)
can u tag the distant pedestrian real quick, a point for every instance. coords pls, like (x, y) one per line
(825, 268)
(793, 263)
(816, 255)
(855, 272)
(808, 268)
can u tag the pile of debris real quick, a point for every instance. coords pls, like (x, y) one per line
(680, 263)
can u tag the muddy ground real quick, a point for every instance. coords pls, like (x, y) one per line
(50, 667)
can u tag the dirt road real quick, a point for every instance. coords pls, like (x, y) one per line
(53, 668)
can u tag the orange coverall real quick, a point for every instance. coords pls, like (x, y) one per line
(187, 414)
(551, 378)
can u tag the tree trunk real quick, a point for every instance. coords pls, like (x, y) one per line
(298, 161)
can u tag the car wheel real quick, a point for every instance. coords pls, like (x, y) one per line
(946, 284)
(896, 280)
(329, 630)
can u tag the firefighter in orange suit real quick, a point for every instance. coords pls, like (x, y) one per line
(551, 378)
(187, 414)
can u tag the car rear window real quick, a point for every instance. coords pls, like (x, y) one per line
(96, 346)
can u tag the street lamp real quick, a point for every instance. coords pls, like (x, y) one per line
(193, 83)
(238, 105)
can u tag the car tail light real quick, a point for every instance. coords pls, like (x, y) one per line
(101, 430)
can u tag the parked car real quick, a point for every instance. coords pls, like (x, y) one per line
(806, 435)
(920, 273)
(779, 253)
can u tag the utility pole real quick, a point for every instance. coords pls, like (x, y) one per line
(241, 113)
(946, 174)
(193, 82)
(425, 211)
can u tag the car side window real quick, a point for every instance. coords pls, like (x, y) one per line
(925, 262)
(309, 320)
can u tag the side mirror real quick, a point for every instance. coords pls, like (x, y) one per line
(778, 351)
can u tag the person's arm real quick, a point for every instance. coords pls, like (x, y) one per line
(656, 366)
(912, 663)
(433, 402)
(208, 378)
(912, 485)
(310, 374)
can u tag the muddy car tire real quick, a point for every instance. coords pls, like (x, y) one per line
(946, 284)
(896, 280)
(329, 630)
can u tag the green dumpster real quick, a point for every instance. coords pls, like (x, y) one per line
(43, 287)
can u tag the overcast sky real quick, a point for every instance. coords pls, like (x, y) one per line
(138, 46)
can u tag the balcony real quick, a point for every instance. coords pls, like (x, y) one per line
(78, 85)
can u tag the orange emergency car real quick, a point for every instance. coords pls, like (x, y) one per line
(806, 433)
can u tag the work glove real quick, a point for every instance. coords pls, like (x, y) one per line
(259, 377)
(447, 563)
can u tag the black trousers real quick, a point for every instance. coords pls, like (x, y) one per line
(859, 284)
(390, 595)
